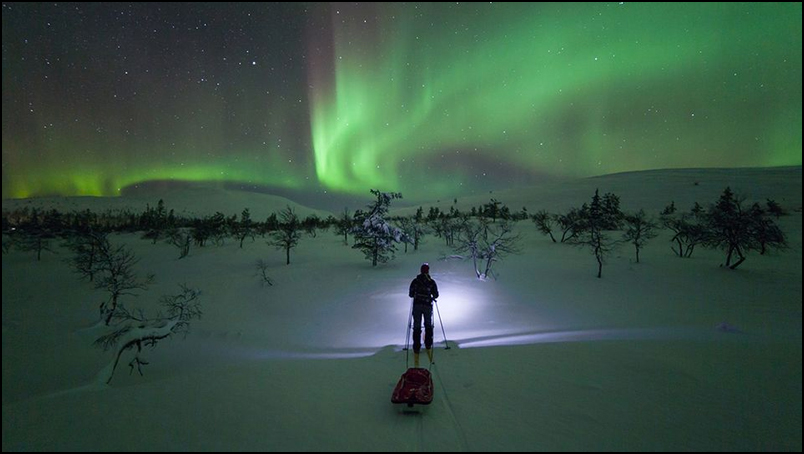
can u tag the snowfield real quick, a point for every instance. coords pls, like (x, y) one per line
(667, 354)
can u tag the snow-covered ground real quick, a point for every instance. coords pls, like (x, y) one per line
(668, 354)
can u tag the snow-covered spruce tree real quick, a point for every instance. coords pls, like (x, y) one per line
(373, 235)
(590, 228)
(288, 232)
(135, 331)
(639, 229)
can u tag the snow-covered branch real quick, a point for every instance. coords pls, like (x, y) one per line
(138, 331)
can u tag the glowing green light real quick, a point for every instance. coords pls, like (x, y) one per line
(571, 89)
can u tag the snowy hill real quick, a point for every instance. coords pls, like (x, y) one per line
(191, 200)
(651, 190)
(667, 354)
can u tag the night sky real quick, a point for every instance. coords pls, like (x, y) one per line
(430, 100)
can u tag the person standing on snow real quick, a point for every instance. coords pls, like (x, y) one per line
(424, 291)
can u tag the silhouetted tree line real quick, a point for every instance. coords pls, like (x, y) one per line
(728, 224)
(33, 229)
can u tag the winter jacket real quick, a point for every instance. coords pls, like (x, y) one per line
(423, 290)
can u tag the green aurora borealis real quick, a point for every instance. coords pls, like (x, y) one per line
(432, 100)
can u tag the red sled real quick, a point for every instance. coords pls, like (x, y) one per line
(414, 388)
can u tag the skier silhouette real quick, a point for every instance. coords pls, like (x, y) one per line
(424, 291)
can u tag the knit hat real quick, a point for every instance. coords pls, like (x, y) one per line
(425, 268)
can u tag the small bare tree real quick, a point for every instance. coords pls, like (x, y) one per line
(767, 235)
(343, 225)
(419, 228)
(414, 231)
(181, 238)
(688, 229)
(498, 243)
(739, 230)
(544, 222)
(593, 220)
(117, 276)
(289, 233)
(262, 272)
(34, 238)
(599, 243)
(311, 224)
(87, 247)
(135, 331)
(447, 228)
(569, 224)
(775, 209)
(469, 240)
(639, 229)
(245, 228)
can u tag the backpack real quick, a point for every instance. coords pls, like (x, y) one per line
(422, 293)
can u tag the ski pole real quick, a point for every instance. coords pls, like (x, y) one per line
(410, 323)
(442, 325)
(407, 334)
